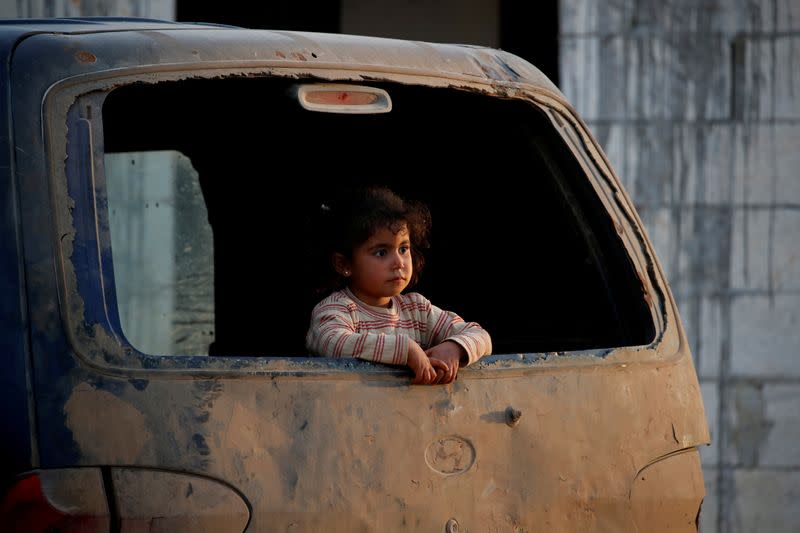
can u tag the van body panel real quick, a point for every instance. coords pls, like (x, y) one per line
(519, 441)
(310, 451)
(16, 448)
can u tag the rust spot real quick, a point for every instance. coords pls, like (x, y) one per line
(645, 293)
(647, 299)
(280, 54)
(86, 57)
(513, 416)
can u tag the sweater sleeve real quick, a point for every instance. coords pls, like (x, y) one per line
(334, 334)
(447, 326)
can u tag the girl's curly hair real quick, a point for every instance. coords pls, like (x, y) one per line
(355, 215)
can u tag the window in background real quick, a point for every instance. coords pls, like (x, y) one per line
(163, 252)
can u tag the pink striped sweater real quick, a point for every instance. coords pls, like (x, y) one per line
(344, 326)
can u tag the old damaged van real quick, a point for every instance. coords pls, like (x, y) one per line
(156, 180)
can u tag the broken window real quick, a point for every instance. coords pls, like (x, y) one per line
(521, 243)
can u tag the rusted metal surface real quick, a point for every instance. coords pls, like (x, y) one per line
(519, 442)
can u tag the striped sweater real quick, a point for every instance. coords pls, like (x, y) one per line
(344, 326)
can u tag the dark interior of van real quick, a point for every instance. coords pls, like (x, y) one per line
(520, 242)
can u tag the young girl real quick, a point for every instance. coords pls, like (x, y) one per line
(374, 240)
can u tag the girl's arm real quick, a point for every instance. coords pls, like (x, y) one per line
(447, 326)
(333, 334)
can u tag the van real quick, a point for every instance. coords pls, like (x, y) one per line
(156, 183)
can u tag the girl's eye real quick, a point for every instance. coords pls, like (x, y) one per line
(404, 250)
(380, 253)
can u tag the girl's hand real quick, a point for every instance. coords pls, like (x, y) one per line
(451, 354)
(422, 366)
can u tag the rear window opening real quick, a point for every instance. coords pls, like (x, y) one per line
(209, 232)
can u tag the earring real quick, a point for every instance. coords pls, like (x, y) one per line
(347, 273)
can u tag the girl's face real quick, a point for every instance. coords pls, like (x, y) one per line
(380, 268)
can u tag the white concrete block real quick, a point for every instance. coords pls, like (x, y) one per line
(766, 249)
(765, 338)
(785, 259)
(788, 17)
(747, 424)
(667, 78)
(579, 63)
(644, 77)
(711, 16)
(662, 164)
(708, 513)
(771, 78)
(588, 16)
(703, 320)
(781, 447)
(766, 500)
(711, 337)
(9, 10)
(703, 248)
(611, 88)
(614, 138)
(161, 9)
(704, 163)
(649, 158)
(750, 249)
(708, 454)
(767, 163)
(693, 245)
(754, 16)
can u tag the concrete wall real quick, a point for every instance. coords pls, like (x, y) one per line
(697, 103)
(160, 9)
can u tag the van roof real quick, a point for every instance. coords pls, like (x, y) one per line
(159, 42)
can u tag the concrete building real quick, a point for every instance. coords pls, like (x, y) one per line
(698, 107)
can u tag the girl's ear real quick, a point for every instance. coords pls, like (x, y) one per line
(341, 264)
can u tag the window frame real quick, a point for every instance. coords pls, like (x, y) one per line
(90, 313)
